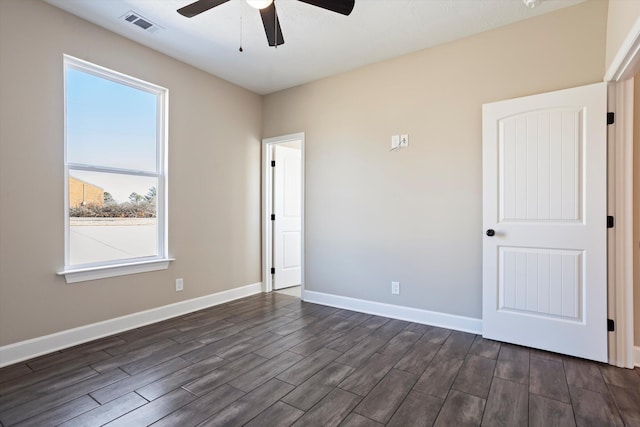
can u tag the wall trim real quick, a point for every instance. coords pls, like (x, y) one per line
(433, 318)
(625, 65)
(626, 61)
(620, 238)
(24, 350)
(636, 351)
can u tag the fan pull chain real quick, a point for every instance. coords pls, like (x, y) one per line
(241, 9)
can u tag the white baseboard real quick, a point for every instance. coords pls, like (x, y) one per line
(34, 347)
(433, 318)
(636, 356)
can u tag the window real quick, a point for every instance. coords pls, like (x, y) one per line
(115, 193)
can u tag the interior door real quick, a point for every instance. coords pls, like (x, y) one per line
(544, 218)
(287, 192)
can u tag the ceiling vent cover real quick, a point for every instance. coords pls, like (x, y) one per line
(141, 22)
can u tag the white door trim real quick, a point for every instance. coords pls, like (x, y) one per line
(625, 65)
(267, 232)
(621, 236)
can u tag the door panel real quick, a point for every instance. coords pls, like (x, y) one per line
(287, 197)
(544, 185)
(538, 149)
(543, 282)
(291, 250)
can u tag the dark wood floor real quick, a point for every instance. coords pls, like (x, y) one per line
(272, 360)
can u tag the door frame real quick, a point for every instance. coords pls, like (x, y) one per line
(267, 206)
(620, 76)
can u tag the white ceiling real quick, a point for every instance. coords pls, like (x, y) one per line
(318, 43)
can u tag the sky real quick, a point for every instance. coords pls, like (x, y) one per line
(110, 124)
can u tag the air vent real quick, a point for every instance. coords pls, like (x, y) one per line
(138, 20)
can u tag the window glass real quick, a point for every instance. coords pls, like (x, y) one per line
(115, 186)
(109, 123)
(111, 217)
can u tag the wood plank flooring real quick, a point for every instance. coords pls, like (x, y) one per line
(273, 360)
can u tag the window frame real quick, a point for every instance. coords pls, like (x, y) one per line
(119, 267)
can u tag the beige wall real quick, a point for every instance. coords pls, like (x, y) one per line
(214, 184)
(622, 15)
(373, 216)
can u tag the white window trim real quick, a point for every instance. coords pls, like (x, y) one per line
(101, 270)
(113, 270)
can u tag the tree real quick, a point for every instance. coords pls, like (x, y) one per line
(135, 197)
(108, 198)
(151, 195)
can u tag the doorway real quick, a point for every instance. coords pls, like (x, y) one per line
(283, 214)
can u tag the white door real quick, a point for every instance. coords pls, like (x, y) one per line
(287, 203)
(544, 199)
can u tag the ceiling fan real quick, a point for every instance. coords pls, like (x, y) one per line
(268, 13)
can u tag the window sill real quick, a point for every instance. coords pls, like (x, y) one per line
(103, 272)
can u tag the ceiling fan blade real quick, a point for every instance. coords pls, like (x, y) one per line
(339, 6)
(198, 7)
(272, 25)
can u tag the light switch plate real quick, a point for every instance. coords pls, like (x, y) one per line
(395, 141)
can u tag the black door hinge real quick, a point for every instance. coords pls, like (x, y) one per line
(610, 222)
(611, 118)
(611, 325)
(273, 217)
(273, 163)
(273, 270)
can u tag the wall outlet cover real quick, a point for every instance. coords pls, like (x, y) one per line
(395, 288)
(179, 285)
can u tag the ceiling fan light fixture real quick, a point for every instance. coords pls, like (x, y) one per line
(531, 3)
(259, 4)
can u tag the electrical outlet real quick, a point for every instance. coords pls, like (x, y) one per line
(179, 285)
(404, 140)
(395, 288)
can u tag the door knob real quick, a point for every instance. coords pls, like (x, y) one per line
(491, 232)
